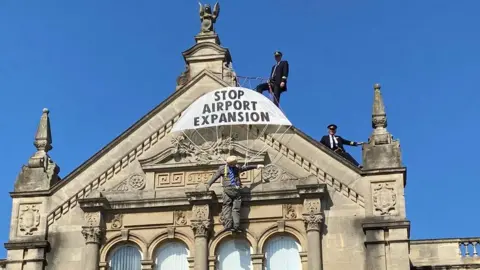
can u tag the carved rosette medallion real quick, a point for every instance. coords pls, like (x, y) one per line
(93, 235)
(201, 228)
(384, 199)
(136, 181)
(312, 216)
(29, 219)
(271, 173)
(117, 221)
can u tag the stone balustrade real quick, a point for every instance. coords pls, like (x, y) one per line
(445, 252)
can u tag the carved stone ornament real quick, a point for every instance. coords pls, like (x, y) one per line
(200, 212)
(117, 221)
(312, 206)
(384, 199)
(229, 74)
(29, 219)
(92, 234)
(272, 173)
(180, 218)
(289, 211)
(208, 18)
(312, 221)
(92, 219)
(133, 183)
(201, 228)
(312, 216)
(202, 147)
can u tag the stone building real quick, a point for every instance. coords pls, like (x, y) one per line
(134, 204)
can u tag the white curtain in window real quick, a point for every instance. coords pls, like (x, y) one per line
(126, 258)
(234, 254)
(282, 253)
(172, 256)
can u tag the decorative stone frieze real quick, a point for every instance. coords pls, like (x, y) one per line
(133, 183)
(202, 147)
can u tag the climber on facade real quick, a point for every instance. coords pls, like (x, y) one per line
(277, 83)
(232, 199)
(336, 144)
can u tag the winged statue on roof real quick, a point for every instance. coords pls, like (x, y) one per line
(208, 17)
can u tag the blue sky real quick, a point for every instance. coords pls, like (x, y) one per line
(101, 65)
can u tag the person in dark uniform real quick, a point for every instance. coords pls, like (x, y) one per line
(232, 199)
(336, 144)
(277, 83)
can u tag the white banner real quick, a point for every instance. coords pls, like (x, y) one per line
(230, 106)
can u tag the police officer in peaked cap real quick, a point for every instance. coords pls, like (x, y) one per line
(277, 83)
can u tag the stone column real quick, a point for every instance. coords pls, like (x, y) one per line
(93, 233)
(313, 218)
(201, 223)
(201, 227)
(313, 223)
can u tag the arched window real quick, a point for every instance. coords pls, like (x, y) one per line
(125, 258)
(234, 254)
(172, 255)
(282, 253)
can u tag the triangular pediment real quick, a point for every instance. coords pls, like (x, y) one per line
(131, 153)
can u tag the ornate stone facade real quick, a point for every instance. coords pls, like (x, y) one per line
(304, 193)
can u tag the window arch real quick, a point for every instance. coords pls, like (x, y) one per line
(282, 253)
(125, 257)
(172, 255)
(234, 254)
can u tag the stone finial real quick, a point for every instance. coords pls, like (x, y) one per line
(41, 172)
(379, 116)
(382, 151)
(43, 138)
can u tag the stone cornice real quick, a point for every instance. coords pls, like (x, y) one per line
(381, 223)
(190, 197)
(28, 244)
(386, 171)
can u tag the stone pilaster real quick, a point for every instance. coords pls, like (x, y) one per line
(94, 207)
(387, 244)
(312, 195)
(93, 233)
(201, 224)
